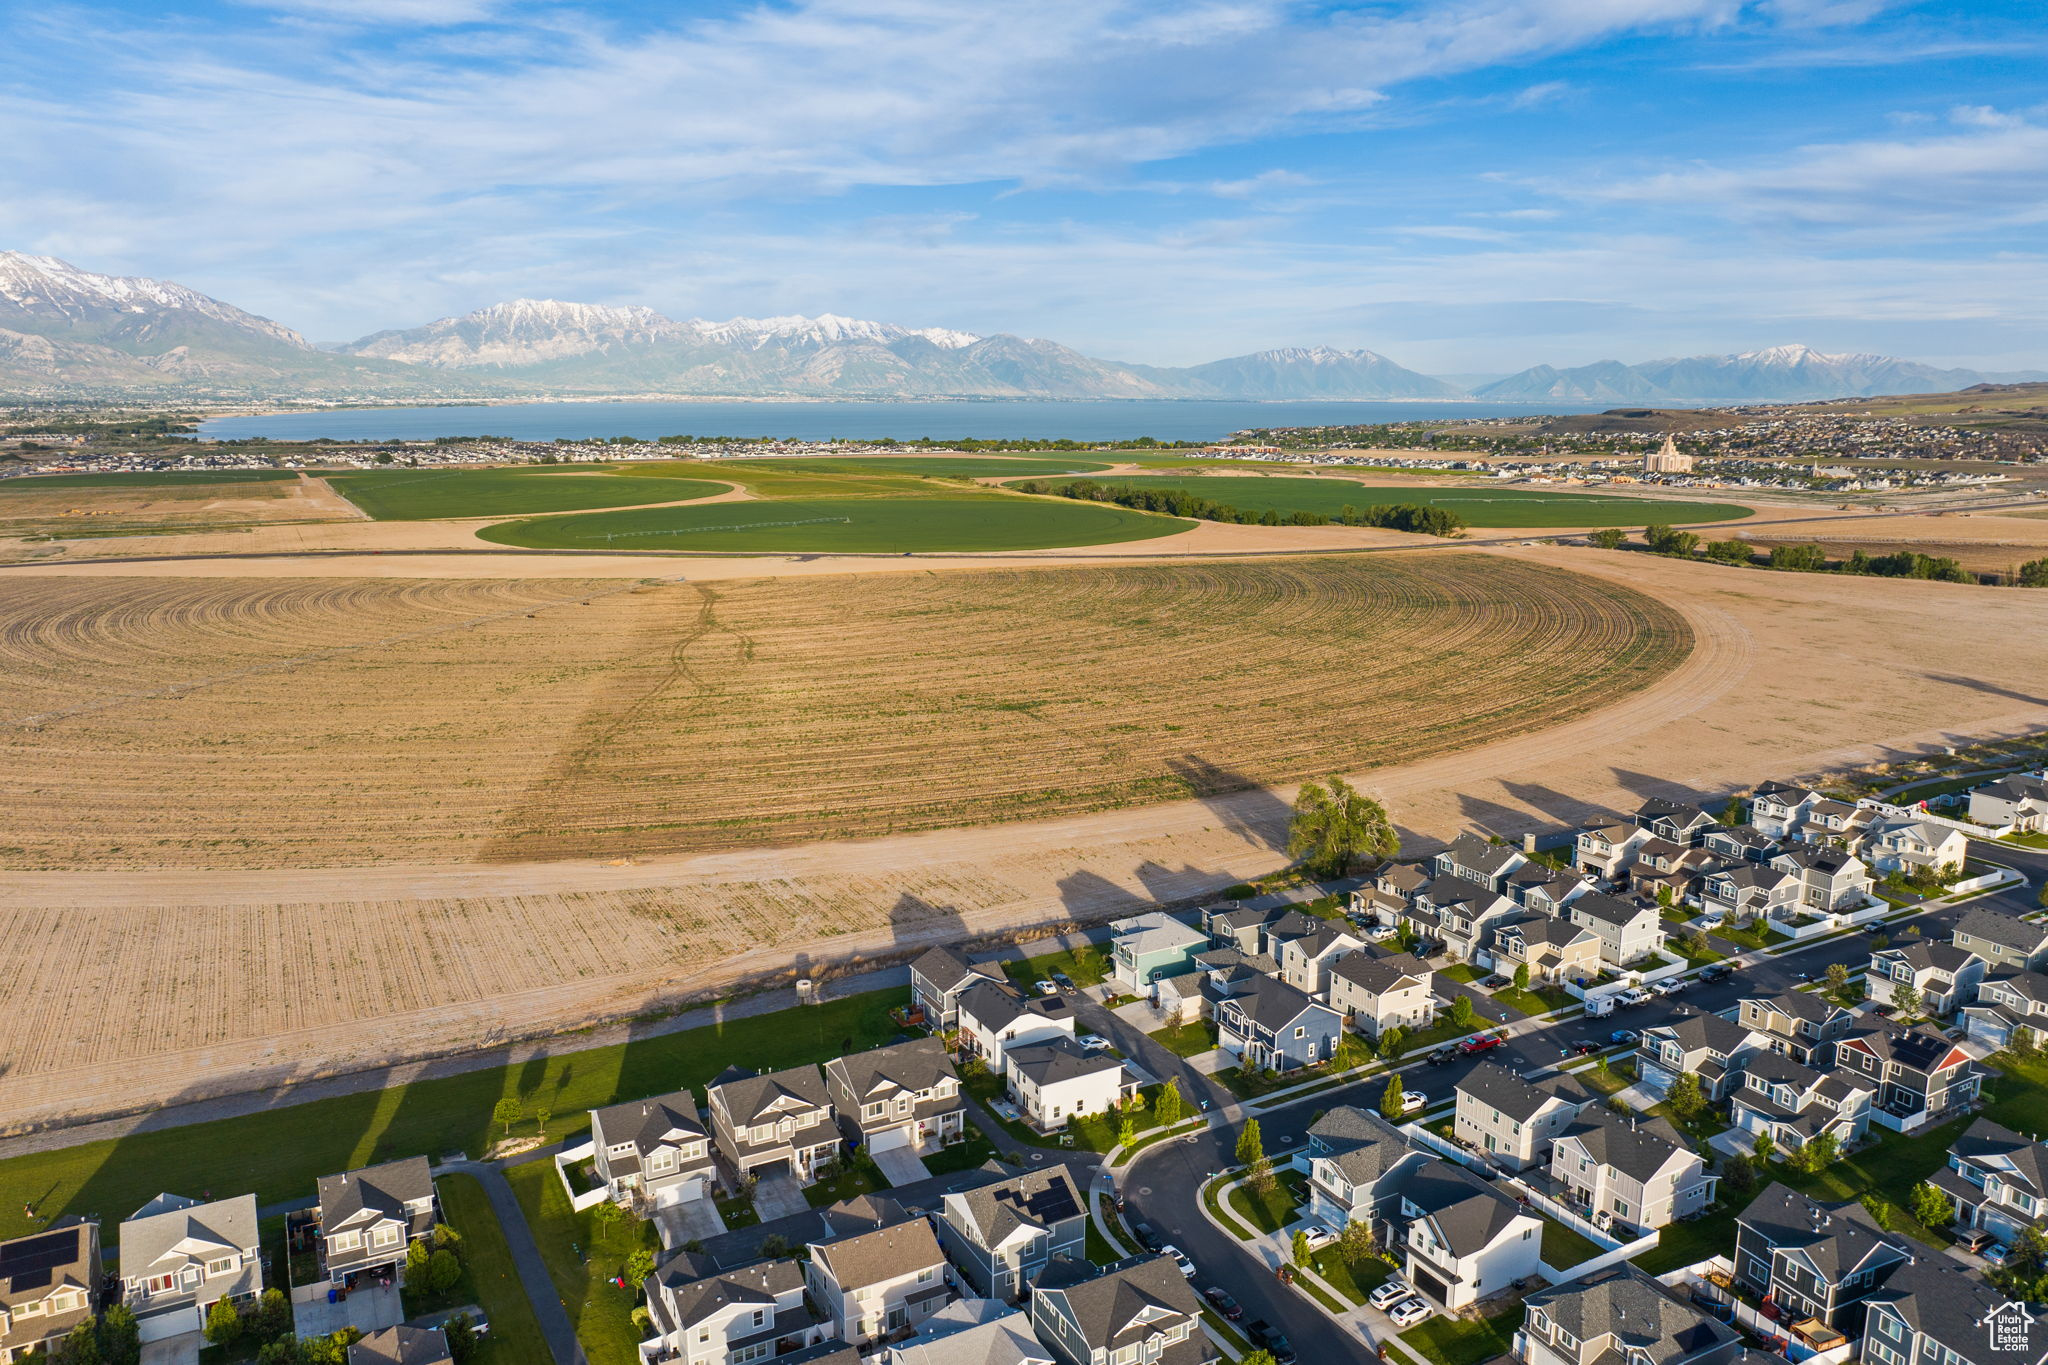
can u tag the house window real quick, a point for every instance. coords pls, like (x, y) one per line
(384, 1236)
(220, 1267)
(1301, 1033)
(347, 1241)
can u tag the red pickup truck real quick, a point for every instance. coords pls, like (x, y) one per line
(1481, 1043)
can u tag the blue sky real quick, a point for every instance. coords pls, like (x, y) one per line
(1467, 186)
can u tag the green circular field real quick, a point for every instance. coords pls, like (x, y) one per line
(937, 466)
(871, 525)
(431, 494)
(1485, 505)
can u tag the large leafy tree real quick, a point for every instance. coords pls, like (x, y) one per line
(1334, 826)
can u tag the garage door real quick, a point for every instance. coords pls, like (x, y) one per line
(1431, 1285)
(892, 1138)
(175, 1323)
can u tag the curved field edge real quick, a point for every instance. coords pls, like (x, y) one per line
(853, 525)
(437, 494)
(1481, 507)
(348, 722)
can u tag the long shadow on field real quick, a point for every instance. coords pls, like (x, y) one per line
(1089, 895)
(1552, 804)
(1492, 818)
(1647, 785)
(916, 924)
(1989, 688)
(1244, 807)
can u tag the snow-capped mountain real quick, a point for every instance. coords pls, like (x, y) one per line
(1776, 374)
(521, 332)
(48, 297)
(823, 330)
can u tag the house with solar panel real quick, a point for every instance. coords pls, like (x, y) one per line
(49, 1283)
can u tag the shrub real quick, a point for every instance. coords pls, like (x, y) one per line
(1803, 558)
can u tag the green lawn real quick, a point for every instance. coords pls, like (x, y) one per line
(515, 1337)
(1563, 1247)
(1095, 1133)
(428, 494)
(1482, 506)
(1694, 958)
(938, 466)
(1186, 1040)
(1753, 935)
(1273, 1209)
(582, 1256)
(1459, 1341)
(1087, 965)
(961, 1156)
(848, 1183)
(279, 1153)
(1353, 1281)
(1540, 1000)
(1463, 972)
(151, 478)
(876, 525)
(1615, 1077)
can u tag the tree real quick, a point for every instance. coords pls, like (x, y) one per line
(120, 1336)
(1837, 977)
(416, 1277)
(1394, 1099)
(80, 1346)
(1685, 1097)
(1906, 997)
(1696, 942)
(1763, 1148)
(1878, 1207)
(1816, 1154)
(1607, 538)
(1257, 1358)
(1334, 826)
(1127, 1131)
(1738, 1174)
(541, 1117)
(223, 1323)
(2023, 1041)
(1522, 977)
(1730, 552)
(506, 1113)
(1302, 1254)
(1251, 1154)
(1462, 1012)
(461, 1334)
(1931, 1206)
(1666, 899)
(1879, 942)
(639, 1266)
(1393, 1039)
(1666, 541)
(444, 1268)
(273, 1314)
(1357, 1242)
(1170, 1104)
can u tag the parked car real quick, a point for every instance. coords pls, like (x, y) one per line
(1587, 1048)
(1145, 1235)
(1045, 988)
(1390, 1292)
(1443, 1055)
(1318, 1236)
(1483, 1043)
(1179, 1259)
(1413, 1101)
(1670, 985)
(1064, 982)
(1994, 1254)
(1884, 1011)
(1378, 933)
(1623, 1037)
(1223, 1303)
(1498, 983)
(1719, 971)
(1093, 1042)
(1274, 1340)
(1409, 1311)
(1633, 996)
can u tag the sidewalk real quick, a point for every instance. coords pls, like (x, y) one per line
(1273, 1250)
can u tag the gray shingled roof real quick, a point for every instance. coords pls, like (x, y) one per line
(1707, 1030)
(1467, 1212)
(1363, 1145)
(400, 1346)
(383, 1189)
(916, 1065)
(748, 1096)
(649, 1123)
(885, 1253)
(1611, 909)
(1624, 1302)
(1637, 1148)
(971, 1332)
(166, 1221)
(943, 967)
(1494, 1085)
(997, 1005)
(1107, 1306)
(2009, 931)
(1379, 974)
(1035, 1198)
(1836, 1237)
(1061, 1059)
(691, 1300)
(1469, 850)
(1272, 1003)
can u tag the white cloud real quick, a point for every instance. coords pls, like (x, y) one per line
(1265, 182)
(429, 12)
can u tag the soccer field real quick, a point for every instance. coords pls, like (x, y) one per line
(858, 525)
(1481, 506)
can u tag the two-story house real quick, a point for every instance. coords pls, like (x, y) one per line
(1636, 1172)
(1918, 1074)
(996, 1017)
(1604, 852)
(968, 1332)
(1463, 1240)
(1375, 993)
(402, 1345)
(2003, 940)
(1269, 1025)
(1779, 810)
(49, 1283)
(1232, 925)
(1829, 821)
(703, 1316)
(655, 1151)
(1357, 1163)
(903, 1095)
(1002, 1236)
(879, 1283)
(1554, 950)
(1704, 1045)
(1744, 891)
(939, 977)
(1305, 962)
(1944, 976)
(1512, 1120)
(370, 1216)
(1739, 844)
(1803, 1025)
(2008, 999)
(1681, 822)
(1793, 1104)
(1463, 914)
(1057, 1081)
(1476, 860)
(1997, 1180)
(1620, 1316)
(1933, 1311)
(1629, 930)
(1830, 879)
(2020, 801)
(1148, 946)
(1137, 1310)
(1911, 846)
(1552, 896)
(180, 1256)
(1814, 1259)
(780, 1123)
(1663, 868)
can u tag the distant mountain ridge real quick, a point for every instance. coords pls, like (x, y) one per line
(64, 330)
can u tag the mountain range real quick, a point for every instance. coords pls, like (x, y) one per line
(71, 332)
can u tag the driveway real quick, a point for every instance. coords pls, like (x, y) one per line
(778, 1196)
(900, 1165)
(368, 1310)
(182, 1349)
(691, 1220)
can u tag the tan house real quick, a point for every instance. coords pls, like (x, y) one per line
(1639, 1172)
(1554, 950)
(1512, 1120)
(1375, 993)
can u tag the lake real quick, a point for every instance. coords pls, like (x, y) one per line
(994, 419)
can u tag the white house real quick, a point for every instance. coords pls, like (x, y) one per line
(1055, 1081)
(881, 1281)
(1464, 1240)
(1916, 846)
(996, 1017)
(180, 1256)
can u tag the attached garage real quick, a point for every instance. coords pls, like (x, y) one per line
(903, 1135)
(173, 1322)
(1429, 1284)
